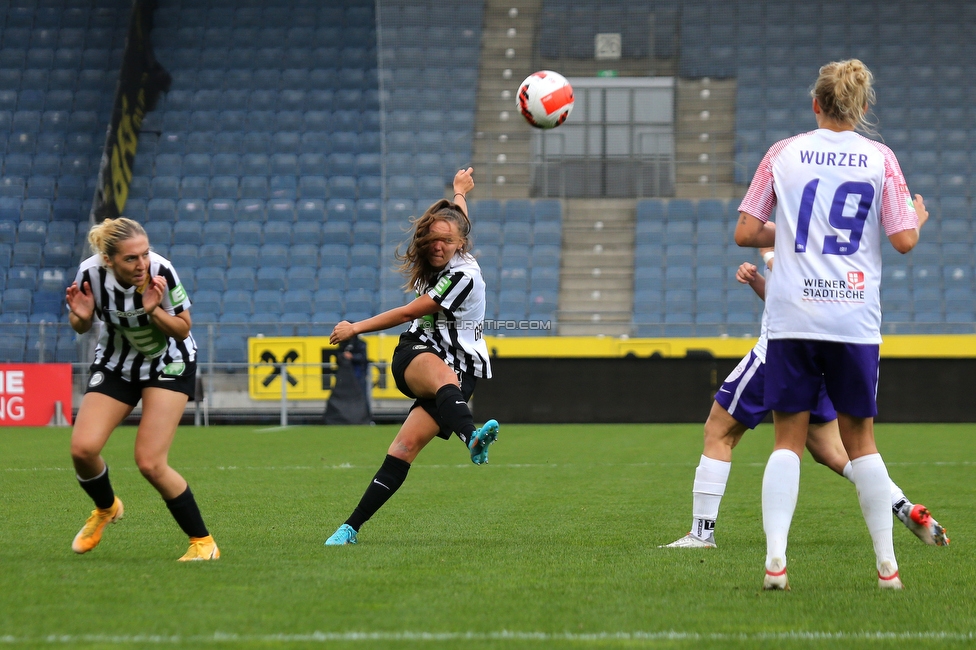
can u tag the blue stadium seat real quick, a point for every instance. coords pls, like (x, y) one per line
(184, 255)
(277, 232)
(191, 210)
(310, 211)
(337, 232)
(254, 187)
(313, 187)
(514, 278)
(17, 301)
(363, 277)
(363, 255)
(187, 232)
(272, 255)
(369, 209)
(517, 232)
(335, 255)
(210, 278)
(32, 232)
(311, 163)
(302, 277)
(22, 277)
(251, 209)
(546, 232)
(340, 209)
(245, 255)
(282, 210)
(366, 232)
(342, 187)
(248, 232)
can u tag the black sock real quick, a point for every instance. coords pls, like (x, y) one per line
(187, 514)
(454, 411)
(99, 489)
(388, 480)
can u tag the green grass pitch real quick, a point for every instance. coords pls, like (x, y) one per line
(553, 544)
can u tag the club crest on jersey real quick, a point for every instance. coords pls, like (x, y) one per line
(855, 280)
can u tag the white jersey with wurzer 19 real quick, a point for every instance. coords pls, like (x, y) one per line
(831, 194)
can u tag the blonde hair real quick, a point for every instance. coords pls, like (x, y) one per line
(106, 236)
(844, 90)
(413, 263)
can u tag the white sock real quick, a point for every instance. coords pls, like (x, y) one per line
(898, 498)
(781, 483)
(874, 494)
(710, 480)
(848, 470)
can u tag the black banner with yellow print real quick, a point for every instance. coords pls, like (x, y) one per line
(141, 80)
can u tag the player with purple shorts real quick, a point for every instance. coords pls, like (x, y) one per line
(738, 407)
(834, 194)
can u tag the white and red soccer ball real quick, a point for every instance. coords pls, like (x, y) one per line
(545, 99)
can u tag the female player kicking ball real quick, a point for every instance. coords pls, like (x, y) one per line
(440, 357)
(144, 352)
(835, 194)
(738, 407)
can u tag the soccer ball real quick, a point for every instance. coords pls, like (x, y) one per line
(545, 99)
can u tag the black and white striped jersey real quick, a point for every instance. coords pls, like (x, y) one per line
(129, 342)
(456, 330)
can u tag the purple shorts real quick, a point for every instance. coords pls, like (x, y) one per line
(798, 369)
(742, 395)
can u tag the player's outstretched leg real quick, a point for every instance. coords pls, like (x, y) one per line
(920, 521)
(91, 533)
(389, 478)
(481, 440)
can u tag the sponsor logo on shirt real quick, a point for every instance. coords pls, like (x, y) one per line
(848, 290)
(177, 294)
(442, 286)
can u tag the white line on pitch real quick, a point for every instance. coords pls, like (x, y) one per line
(543, 637)
(277, 468)
(270, 429)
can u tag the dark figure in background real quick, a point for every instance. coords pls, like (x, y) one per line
(354, 351)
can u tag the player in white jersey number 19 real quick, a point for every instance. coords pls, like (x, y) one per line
(832, 191)
(738, 407)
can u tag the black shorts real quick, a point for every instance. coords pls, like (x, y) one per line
(409, 347)
(111, 383)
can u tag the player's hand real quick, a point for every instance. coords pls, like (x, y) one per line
(80, 301)
(463, 181)
(343, 331)
(920, 209)
(153, 295)
(746, 273)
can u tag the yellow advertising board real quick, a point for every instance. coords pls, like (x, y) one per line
(310, 367)
(310, 362)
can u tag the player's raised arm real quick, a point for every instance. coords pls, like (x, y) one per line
(463, 183)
